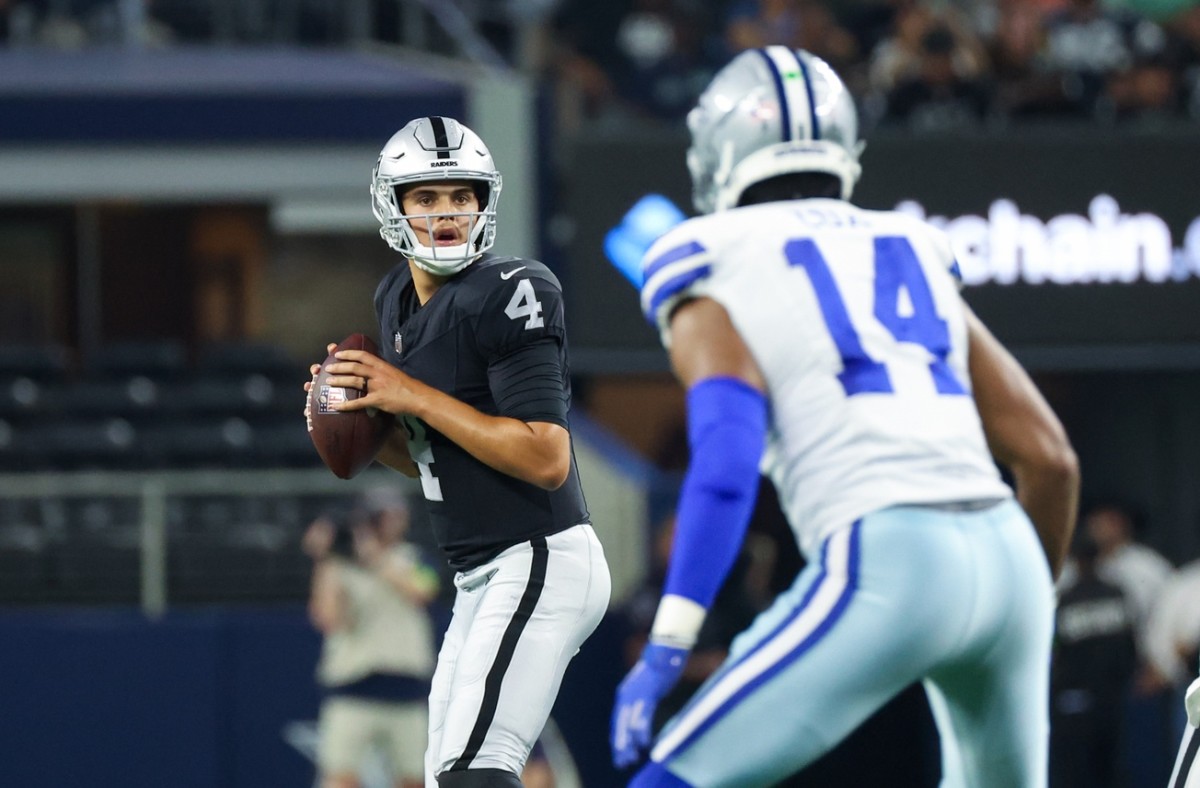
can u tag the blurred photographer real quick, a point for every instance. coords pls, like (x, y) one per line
(370, 589)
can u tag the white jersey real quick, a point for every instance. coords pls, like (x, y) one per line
(855, 320)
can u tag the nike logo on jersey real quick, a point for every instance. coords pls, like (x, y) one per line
(506, 275)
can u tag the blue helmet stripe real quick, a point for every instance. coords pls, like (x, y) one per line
(785, 115)
(814, 124)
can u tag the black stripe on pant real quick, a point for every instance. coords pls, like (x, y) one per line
(508, 646)
(1189, 760)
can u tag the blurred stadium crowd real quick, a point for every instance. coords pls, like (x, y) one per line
(924, 64)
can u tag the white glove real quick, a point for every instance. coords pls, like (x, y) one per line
(1191, 702)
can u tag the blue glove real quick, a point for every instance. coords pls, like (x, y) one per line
(633, 714)
(640, 227)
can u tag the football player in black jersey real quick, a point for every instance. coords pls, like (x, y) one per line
(475, 370)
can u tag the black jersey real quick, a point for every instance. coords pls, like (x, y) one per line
(469, 341)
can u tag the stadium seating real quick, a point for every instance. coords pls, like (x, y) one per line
(39, 363)
(146, 406)
(155, 359)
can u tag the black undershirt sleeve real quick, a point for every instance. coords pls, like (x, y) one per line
(528, 383)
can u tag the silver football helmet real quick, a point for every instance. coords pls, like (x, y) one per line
(770, 112)
(428, 150)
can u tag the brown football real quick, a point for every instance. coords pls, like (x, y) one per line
(347, 442)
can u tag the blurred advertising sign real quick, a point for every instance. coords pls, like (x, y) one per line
(1072, 238)
(1102, 246)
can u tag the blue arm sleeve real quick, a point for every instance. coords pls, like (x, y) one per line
(727, 425)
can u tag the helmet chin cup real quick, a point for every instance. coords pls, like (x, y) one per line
(439, 260)
(442, 260)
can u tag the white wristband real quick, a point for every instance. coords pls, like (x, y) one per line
(678, 621)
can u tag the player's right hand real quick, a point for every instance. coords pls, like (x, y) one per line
(633, 714)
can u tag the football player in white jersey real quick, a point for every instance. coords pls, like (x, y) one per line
(829, 346)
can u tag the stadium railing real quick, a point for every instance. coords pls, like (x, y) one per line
(158, 538)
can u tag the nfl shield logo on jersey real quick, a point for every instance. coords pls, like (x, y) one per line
(396, 341)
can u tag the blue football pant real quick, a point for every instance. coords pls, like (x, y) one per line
(960, 599)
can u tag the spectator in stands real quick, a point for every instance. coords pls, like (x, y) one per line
(899, 55)
(1150, 89)
(1184, 29)
(1093, 665)
(632, 57)
(871, 22)
(1173, 630)
(668, 54)
(75, 24)
(369, 595)
(1136, 569)
(898, 59)
(1142, 574)
(1025, 83)
(1087, 44)
(939, 95)
(584, 61)
(799, 24)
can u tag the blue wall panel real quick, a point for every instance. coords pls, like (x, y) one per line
(104, 699)
(197, 699)
(201, 699)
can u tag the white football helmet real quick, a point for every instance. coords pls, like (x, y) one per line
(427, 150)
(770, 112)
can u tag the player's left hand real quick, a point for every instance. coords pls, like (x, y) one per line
(314, 370)
(387, 388)
(633, 714)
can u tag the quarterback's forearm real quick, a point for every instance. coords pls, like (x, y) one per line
(535, 452)
(1025, 435)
